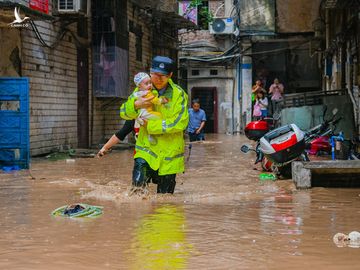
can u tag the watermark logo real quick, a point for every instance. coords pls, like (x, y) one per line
(18, 22)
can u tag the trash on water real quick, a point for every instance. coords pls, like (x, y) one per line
(351, 240)
(267, 176)
(69, 160)
(78, 210)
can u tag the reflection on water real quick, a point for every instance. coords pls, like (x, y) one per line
(277, 215)
(160, 240)
(220, 217)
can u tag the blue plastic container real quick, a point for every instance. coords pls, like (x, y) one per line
(14, 123)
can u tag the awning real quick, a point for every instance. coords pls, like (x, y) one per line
(166, 10)
(174, 19)
(163, 5)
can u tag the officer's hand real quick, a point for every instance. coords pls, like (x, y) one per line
(143, 102)
(197, 131)
(102, 152)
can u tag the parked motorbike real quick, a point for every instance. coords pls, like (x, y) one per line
(279, 147)
(254, 131)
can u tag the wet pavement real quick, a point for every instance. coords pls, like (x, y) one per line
(220, 217)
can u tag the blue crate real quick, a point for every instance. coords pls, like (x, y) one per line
(14, 122)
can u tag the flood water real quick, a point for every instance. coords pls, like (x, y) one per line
(220, 217)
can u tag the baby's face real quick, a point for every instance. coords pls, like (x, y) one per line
(145, 84)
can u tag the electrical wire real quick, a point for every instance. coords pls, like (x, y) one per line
(58, 39)
(63, 30)
(236, 55)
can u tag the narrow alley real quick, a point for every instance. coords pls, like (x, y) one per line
(221, 216)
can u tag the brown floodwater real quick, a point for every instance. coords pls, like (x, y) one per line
(220, 217)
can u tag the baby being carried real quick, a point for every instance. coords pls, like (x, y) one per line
(143, 82)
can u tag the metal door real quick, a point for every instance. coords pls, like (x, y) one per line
(14, 122)
(208, 102)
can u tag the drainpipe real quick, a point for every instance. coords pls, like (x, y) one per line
(233, 108)
(239, 85)
(246, 83)
(327, 34)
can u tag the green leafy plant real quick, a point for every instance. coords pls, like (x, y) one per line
(204, 14)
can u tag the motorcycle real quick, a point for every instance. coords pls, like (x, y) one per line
(254, 131)
(278, 148)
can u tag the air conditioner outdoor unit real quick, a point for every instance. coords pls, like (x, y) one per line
(72, 6)
(222, 26)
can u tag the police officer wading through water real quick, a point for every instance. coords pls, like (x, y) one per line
(161, 159)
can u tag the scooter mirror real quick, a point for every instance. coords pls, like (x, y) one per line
(335, 111)
(245, 149)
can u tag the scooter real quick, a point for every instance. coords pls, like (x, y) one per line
(278, 148)
(254, 131)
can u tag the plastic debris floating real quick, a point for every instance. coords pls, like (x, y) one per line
(267, 176)
(350, 240)
(79, 210)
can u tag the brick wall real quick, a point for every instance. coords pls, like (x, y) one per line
(53, 88)
(197, 35)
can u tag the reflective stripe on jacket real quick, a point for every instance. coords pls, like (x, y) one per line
(166, 147)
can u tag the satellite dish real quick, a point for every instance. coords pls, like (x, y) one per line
(218, 25)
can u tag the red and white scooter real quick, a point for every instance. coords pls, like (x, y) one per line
(279, 147)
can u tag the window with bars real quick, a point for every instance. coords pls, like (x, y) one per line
(110, 43)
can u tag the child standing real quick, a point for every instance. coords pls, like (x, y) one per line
(261, 105)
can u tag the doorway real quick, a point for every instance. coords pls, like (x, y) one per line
(208, 102)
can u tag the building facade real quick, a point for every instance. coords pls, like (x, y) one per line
(209, 66)
(80, 61)
(270, 39)
(338, 49)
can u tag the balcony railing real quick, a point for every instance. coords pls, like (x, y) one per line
(309, 98)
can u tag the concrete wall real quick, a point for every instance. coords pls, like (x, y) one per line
(224, 83)
(295, 16)
(305, 117)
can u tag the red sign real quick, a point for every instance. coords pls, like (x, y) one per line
(40, 5)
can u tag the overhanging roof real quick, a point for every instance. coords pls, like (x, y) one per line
(174, 19)
(166, 11)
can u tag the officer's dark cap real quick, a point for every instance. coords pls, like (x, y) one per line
(162, 64)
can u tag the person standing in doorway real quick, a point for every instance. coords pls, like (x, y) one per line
(262, 104)
(160, 159)
(197, 119)
(255, 89)
(277, 91)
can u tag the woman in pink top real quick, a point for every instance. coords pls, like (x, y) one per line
(277, 90)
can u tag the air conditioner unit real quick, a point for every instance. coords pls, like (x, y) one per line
(73, 6)
(222, 26)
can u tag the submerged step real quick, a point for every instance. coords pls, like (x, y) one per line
(327, 173)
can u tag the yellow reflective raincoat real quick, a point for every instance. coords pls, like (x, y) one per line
(166, 150)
